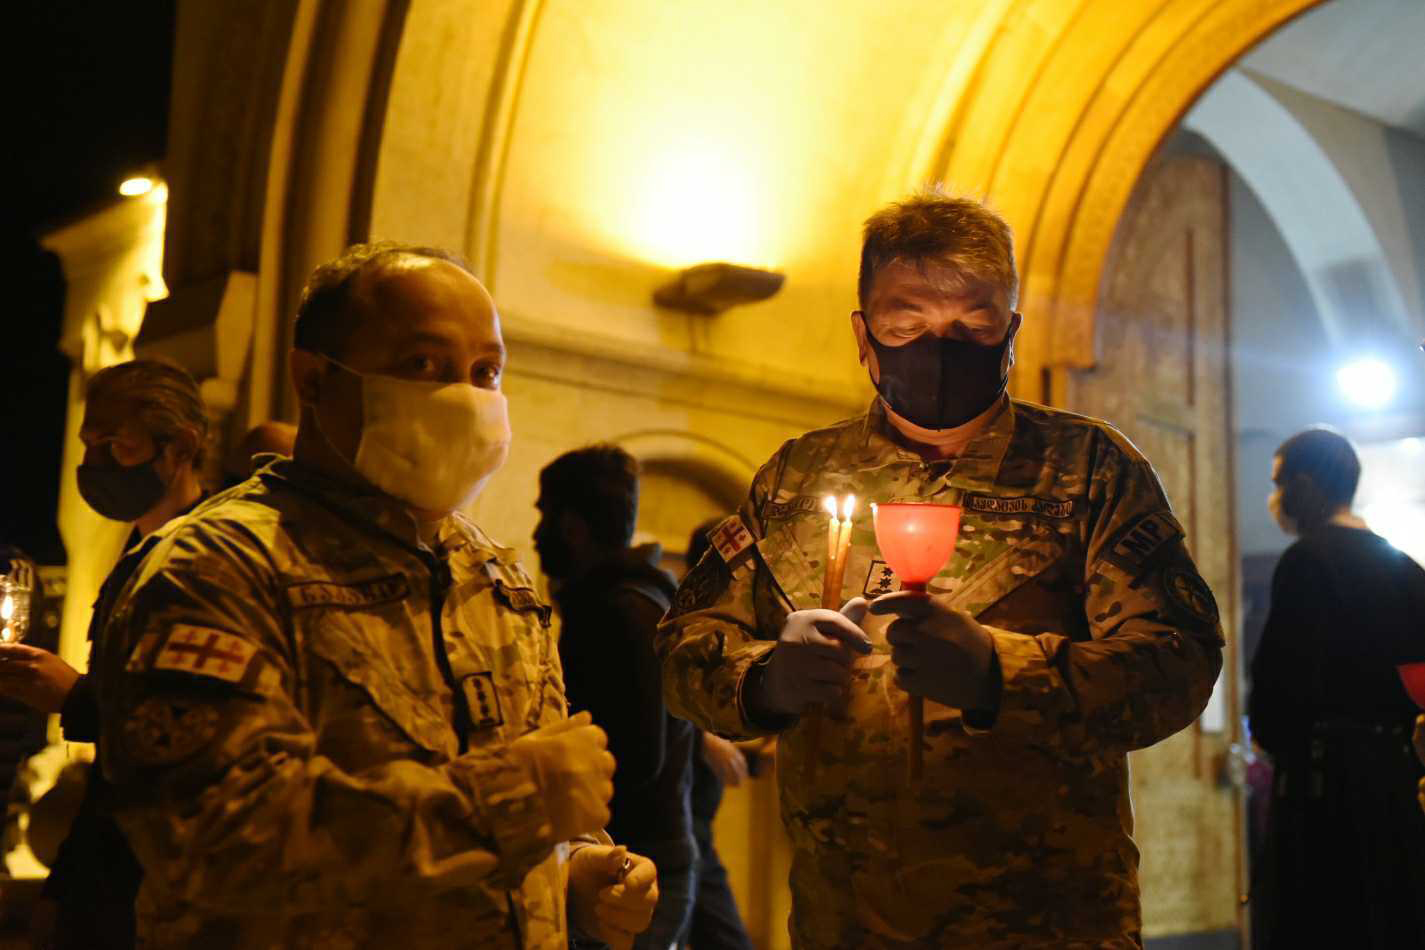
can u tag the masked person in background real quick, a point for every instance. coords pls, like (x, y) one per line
(1345, 861)
(1070, 628)
(144, 431)
(332, 706)
(611, 596)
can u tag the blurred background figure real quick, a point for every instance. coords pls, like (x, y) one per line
(265, 438)
(145, 433)
(1345, 861)
(717, 924)
(610, 598)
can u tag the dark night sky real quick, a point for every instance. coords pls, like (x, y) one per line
(92, 104)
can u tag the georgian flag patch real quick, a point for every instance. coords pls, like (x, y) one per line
(201, 651)
(731, 538)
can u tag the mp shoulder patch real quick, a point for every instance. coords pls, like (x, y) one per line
(1020, 505)
(1134, 546)
(201, 651)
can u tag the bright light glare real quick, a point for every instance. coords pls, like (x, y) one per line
(697, 201)
(7, 608)
(134, 187)
(1368, 383)
(1402, 523)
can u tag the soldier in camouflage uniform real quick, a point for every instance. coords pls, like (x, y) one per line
(333, 710)
(1070, 627)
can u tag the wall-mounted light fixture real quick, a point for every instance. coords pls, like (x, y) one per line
(712, 288)
(136, 187)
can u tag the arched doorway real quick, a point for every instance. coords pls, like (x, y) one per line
(531, 133)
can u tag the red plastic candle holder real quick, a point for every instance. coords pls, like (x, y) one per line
(1413, 676)
(916, 539)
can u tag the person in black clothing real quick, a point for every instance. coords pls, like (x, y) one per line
(1345, 862)
(716, 924)
(144, 431)
(610, 597)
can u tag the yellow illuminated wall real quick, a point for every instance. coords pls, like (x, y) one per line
(655, 135)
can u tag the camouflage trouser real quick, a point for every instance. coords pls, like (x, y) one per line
(835, 905)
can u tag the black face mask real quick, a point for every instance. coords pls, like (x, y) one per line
(121, 492)
(938, 383)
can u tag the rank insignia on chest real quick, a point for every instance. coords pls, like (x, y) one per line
(483, 700)
(880, 579)
(730, 538)
(204, 652)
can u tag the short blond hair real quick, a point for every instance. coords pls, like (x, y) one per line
(931, 226)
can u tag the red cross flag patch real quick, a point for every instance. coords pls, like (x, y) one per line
(205, 652)
(731, 538)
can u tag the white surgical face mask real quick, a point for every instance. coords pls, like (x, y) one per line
(432, 445)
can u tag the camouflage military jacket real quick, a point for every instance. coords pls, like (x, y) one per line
(1107, 640)
(305, 716)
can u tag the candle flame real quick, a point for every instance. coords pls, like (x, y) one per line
(848, 507)
(829, 503)
(7, 609)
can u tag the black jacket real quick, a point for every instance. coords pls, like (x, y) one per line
(610, 616)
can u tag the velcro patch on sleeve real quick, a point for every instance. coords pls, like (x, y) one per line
(166, 731)
(731, 538)
(202, 651)
(521, 599)
(1136, 544)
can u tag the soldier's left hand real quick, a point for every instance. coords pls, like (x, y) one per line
(939, 652)
(612, 904)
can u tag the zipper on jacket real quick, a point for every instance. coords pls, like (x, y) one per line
(440, 584)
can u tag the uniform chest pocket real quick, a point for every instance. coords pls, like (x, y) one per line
(796, 576)
(381, 680)
(499, 643)
(996, 556)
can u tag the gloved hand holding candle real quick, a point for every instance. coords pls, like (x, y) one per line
(916, 539)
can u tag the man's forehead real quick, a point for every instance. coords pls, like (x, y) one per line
(418, 296)
(931, 277)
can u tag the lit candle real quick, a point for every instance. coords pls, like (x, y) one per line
(838, 543)
(833, 549)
